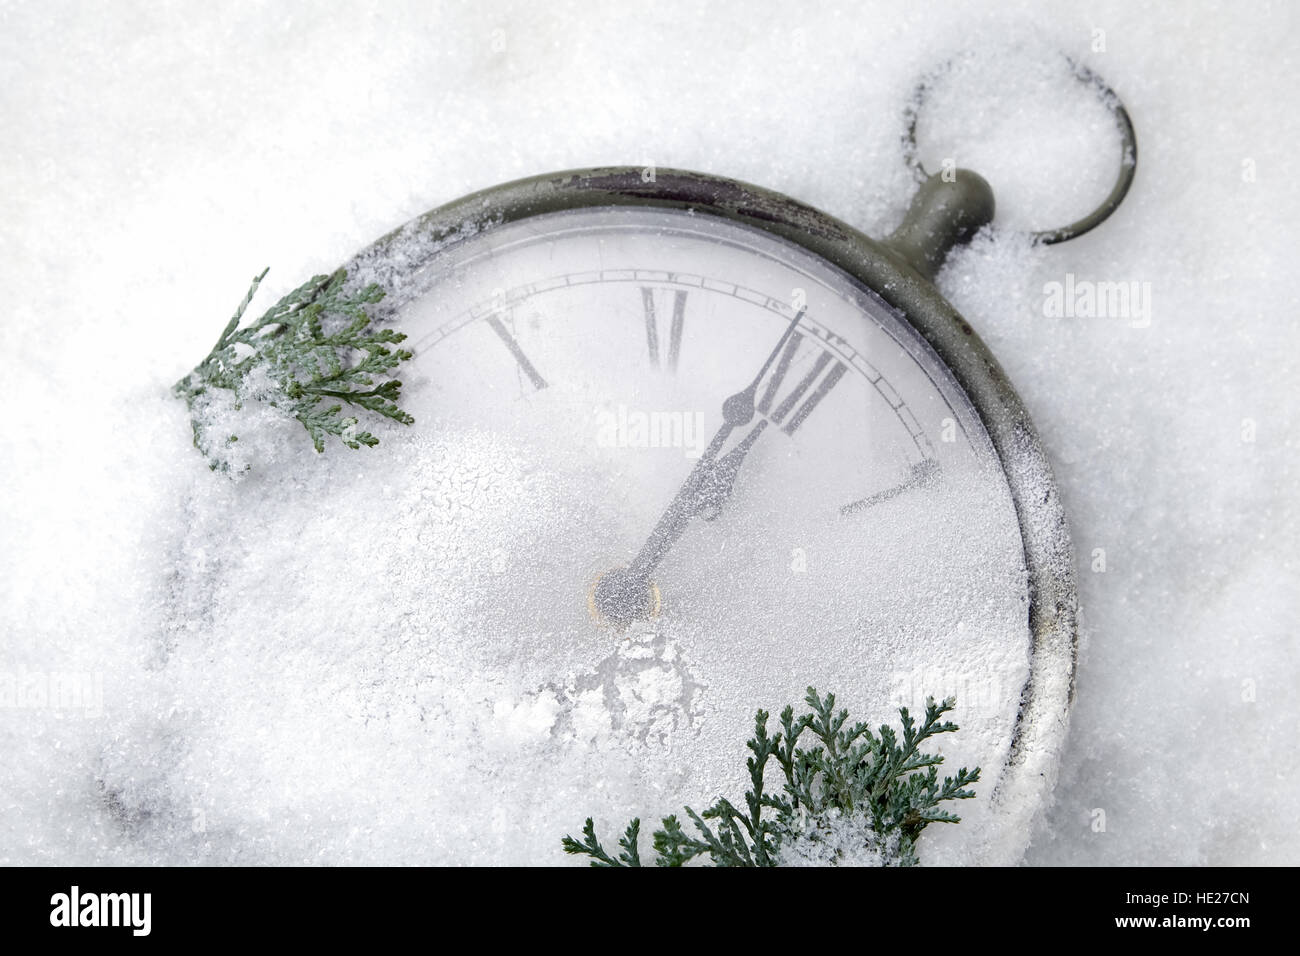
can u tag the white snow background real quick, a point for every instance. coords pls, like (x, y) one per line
(155, 156)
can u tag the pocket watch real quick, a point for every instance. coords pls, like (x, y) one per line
(704, 446)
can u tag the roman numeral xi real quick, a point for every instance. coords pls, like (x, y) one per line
(525, 364)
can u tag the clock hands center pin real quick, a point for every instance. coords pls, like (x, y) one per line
(627, 594)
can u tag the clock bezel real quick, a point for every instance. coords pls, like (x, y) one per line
(899, 277)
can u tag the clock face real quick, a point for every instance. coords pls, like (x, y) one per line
(865, 541)
(597, 567)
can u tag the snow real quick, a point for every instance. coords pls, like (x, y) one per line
(841, 840)
(156, 158)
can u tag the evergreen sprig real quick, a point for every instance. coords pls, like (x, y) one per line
(884, 785)
(315, 344)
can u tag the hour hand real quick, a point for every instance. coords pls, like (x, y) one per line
(718, 483)
(627, 594)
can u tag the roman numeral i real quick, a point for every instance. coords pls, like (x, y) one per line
(816, 383)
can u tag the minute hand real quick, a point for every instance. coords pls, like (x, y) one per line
(737, 410)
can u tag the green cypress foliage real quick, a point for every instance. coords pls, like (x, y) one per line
(310, 354)
(880, 787)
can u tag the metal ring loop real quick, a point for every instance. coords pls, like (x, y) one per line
(1128, 148)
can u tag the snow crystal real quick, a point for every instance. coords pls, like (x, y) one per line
(837, 839)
